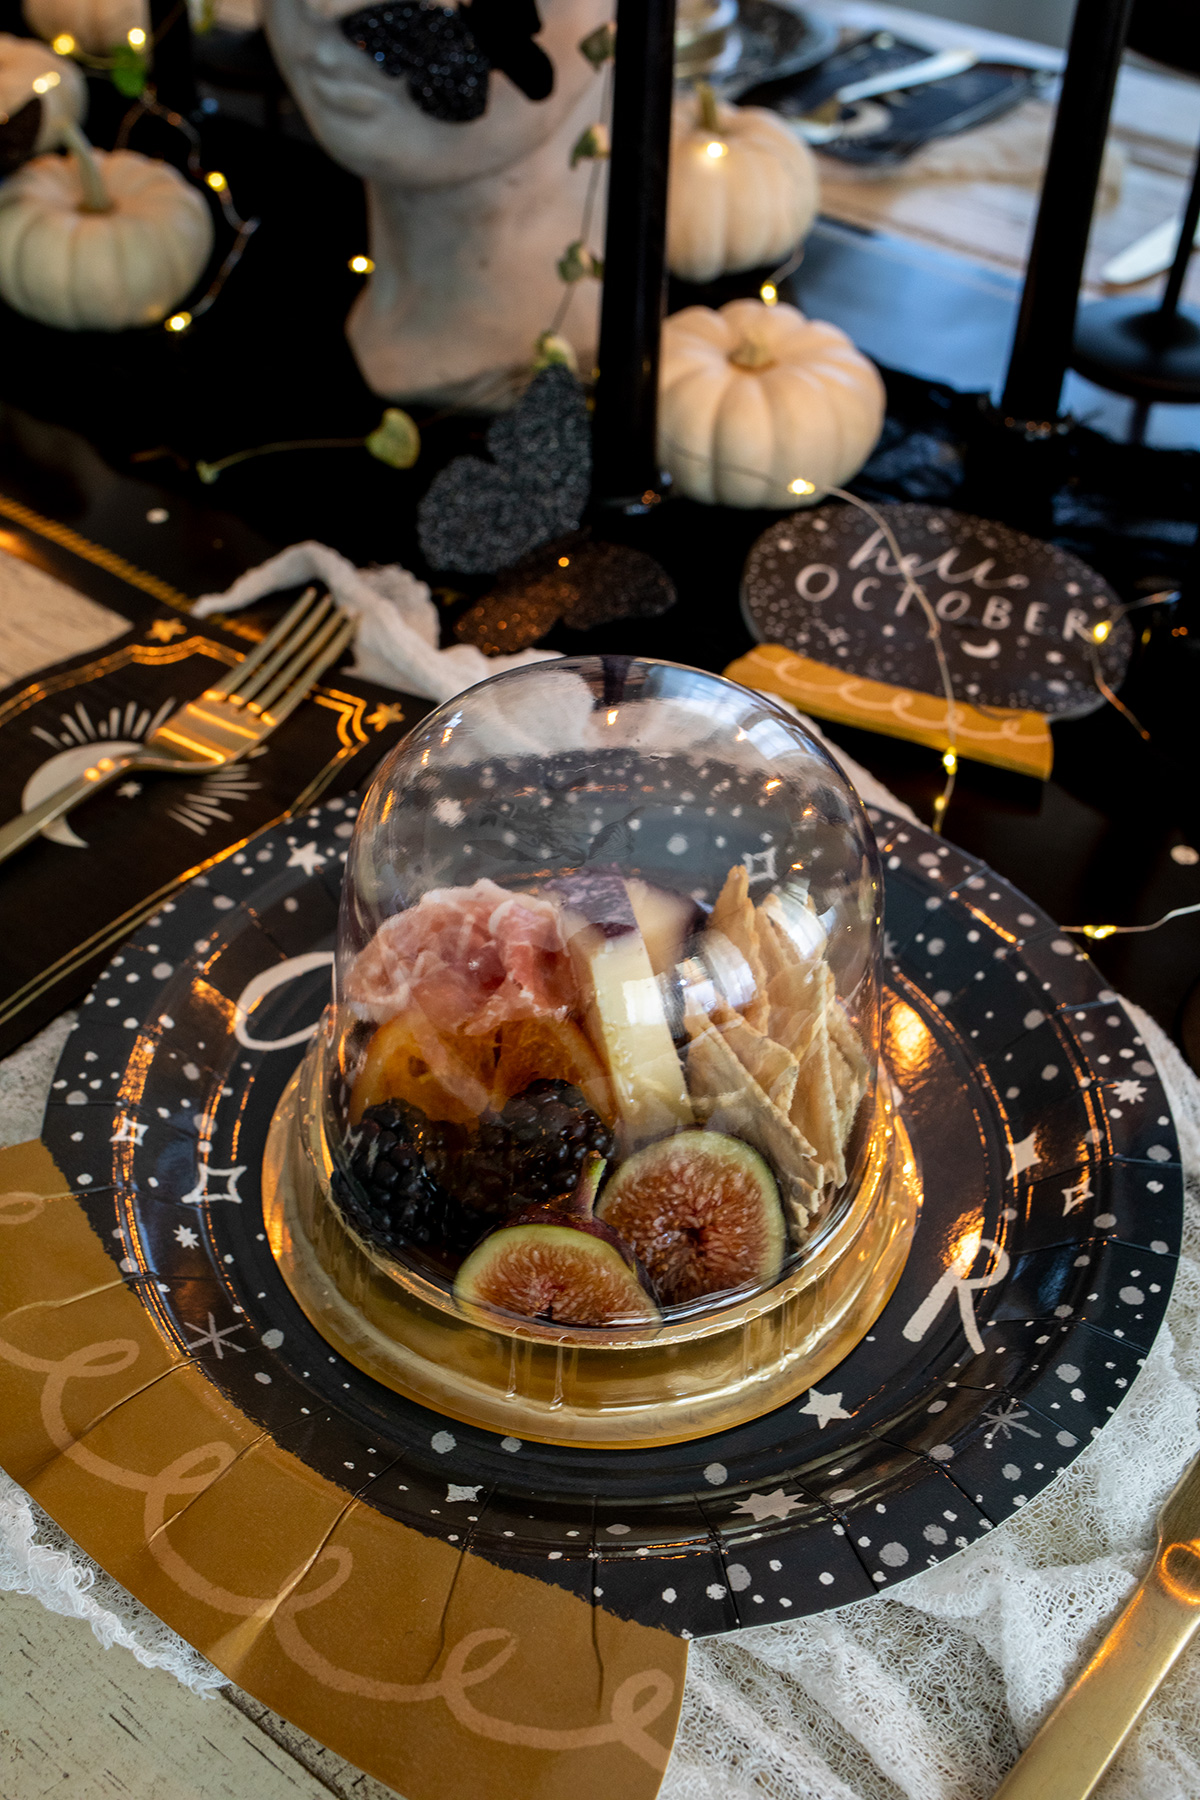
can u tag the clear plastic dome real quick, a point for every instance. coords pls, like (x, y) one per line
(605, 1042)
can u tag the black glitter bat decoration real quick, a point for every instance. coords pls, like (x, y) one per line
(447, 53)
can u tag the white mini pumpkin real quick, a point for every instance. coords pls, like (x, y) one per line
(743, 189)
(28, 71)
(96, 25)
(100, 242)
(759, 406)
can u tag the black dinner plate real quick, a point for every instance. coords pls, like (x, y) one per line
(1039, 1274)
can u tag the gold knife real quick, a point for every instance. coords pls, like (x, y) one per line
(1098, 1711)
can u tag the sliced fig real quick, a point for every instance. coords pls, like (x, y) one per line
(701, 1211)
(559, 1265)
(555, 1271)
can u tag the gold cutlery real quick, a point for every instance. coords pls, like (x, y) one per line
(229, 719)
(1098, 1711)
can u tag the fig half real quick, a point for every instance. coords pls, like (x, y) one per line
(559, 1265)
(701, 1210)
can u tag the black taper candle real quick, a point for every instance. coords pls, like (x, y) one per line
(1046, 322)
(624, 452)
(172, 71)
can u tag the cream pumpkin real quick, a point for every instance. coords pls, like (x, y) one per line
(96, 25)
(28, 71)
(99, 242)
(742, 193)
(759, 406)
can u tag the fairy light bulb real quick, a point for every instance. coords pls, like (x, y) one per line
(216, 181)
(361, 265)
(135, 37)
(1101, 630)
(800, 486)
(768, 293)
(715, 149)
(1098, 931)
(949, 762)
(44, 83)
(179, 321)
(63, 44)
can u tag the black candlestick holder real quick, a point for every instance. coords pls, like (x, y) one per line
(1151, 353)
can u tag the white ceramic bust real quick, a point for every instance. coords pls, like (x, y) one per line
(467, 221)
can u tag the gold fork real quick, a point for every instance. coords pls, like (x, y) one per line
(1098, 1711)
(229, 719)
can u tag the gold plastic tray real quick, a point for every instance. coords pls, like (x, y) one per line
(638, 1386)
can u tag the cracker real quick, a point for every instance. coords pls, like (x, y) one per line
(727, 1096)
(774, 1068)
(848, 1041)
(734, 916)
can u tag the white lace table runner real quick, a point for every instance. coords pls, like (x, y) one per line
(925, 1692)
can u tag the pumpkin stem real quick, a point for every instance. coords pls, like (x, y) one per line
(707, 117)
(96, 197)
(751, 354)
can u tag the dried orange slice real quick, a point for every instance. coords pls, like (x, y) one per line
(549, 1050)
(446, 1076)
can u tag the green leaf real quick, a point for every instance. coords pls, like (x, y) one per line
(549, 349)
(395, 440)
(593, 145)
(600, 45)
(129, 70)
(577, 263)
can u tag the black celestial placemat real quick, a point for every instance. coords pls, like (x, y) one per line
(1039, 1275)
(75, 893)
(1017, 616)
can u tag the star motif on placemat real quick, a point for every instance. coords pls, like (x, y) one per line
(214, 1338)
(769, 1506)
(186, 1237)
(1024, 1154)
(385, 715)
(1129, 1092)
(824, 1407)
(163, 630)
(306, 857)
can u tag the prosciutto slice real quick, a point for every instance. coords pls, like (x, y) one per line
(469, 958)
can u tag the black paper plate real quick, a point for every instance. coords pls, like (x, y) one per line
(1052, 1188)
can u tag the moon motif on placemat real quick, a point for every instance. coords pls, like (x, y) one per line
(1017, 616)
(1038, 1278)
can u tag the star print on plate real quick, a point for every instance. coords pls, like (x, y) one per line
(307, 857)
(1024, 1154)
(186, 1237)
(824, 1407)
(200, 1194)
(214, 1339)
(129, 790)
(772, 1506)
(1074, 1197)
(1130, 1092)
(1005, 1420)
(163, 630)
(760, 864)
(128, 1132)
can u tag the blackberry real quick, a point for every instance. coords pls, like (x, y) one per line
(400, 1200)
(533, 1150)
(436, 1187)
